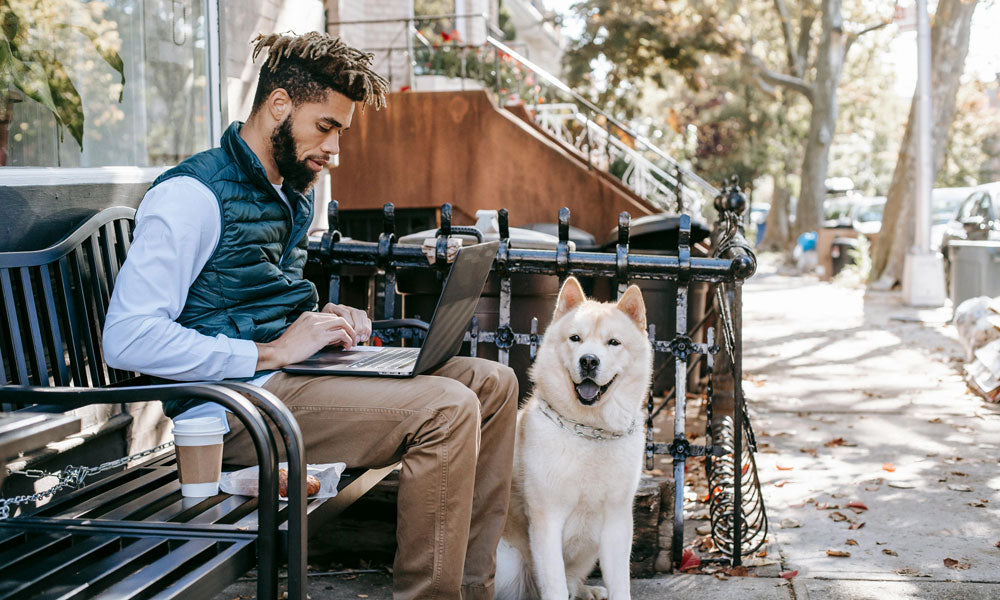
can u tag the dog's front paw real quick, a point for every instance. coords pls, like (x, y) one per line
(592, 592)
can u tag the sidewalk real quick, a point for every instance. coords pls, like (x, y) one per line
(855, 407)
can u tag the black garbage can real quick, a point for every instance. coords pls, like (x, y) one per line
(658, 234)
(842, 253)
(531, 295)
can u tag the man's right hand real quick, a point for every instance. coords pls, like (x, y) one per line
(309, 334)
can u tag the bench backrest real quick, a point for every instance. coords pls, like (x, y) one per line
(54, 302)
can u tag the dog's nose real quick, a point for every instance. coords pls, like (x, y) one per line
(589, 363)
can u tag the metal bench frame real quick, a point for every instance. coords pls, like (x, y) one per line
(54, 303)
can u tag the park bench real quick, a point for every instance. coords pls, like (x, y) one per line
(131, 534)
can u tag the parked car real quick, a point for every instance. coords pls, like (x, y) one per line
(866, 215)
(977, 218)
(944, 207)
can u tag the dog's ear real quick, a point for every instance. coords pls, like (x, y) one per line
(632, 305)
(570, 296)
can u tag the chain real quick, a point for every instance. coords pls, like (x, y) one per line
(68, 477)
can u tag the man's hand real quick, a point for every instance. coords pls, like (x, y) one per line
(309, 334)
(357, 318)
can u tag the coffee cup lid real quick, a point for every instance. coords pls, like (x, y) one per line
(199, 426)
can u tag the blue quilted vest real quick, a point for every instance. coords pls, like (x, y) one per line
(252, 286)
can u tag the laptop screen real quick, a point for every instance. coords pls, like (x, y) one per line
(457, 304)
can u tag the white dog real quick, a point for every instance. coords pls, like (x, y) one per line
(579, 453)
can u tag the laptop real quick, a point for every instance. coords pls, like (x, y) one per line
(452, 315)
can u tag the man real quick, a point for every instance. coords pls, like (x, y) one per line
(212, 289)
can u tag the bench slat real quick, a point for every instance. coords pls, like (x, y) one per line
(13, 330)
(59, 372)
(110, 497)
(68, 310)
(57, 565)
(85, 321)
(40, 368)
(90, 580)
(161, 571)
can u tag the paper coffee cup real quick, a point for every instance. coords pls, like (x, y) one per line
(198, 443)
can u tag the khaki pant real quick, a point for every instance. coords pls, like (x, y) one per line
(453, 432)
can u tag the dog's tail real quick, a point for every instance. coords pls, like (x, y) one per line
(513, 578)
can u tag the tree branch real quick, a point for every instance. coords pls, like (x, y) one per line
(802, 48)
(786, 32)
(774, 78)
(853, 37)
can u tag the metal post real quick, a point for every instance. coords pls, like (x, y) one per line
(410, 31)
(923, 273)
(737, 358)
(680, 385)
(925, 168)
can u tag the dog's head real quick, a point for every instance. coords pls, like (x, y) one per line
(594, 352)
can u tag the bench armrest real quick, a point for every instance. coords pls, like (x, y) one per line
(267, 503)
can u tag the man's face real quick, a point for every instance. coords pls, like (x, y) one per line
(303, 143)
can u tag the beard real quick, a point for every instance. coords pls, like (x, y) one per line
(283, 148)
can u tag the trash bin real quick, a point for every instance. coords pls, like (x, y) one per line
(657, 234)
(842, 253)
(531, 295)
(975, 270)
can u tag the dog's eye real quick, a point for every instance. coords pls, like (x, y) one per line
(614, 342)
(574, 338)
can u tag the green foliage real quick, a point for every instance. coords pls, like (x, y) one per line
(31, 32)
(973, 152)
(639, 40)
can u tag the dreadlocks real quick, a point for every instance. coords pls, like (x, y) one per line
(308, 66)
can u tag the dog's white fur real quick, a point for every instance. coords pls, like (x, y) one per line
(571, 497)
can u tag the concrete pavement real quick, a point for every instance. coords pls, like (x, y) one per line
(864, 422)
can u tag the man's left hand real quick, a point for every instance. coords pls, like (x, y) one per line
(357, 318)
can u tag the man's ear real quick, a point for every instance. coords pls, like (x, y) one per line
(570, 296)
(632, 305)
(278, 104)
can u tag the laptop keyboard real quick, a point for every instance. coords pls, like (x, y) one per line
(388, 360)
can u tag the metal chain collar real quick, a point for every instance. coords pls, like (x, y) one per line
(69, 477)
(580, 429)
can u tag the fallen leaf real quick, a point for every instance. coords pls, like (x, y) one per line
(857, 507)
(959, 488)
(689, 560)
(876, 485)
(789, 574)
(721, 576)
(981, 503)
(838, 516)
(790, 524)
(959, 474)
(901, 485)
(951, 563)
(911, 572)
(740, 571)
(362, 595)
(877, 543)
(857, 524)
(781, 483)
(783, 468)
(840, 553)
(935, 420)
(889, 467)
(802, 504)
(996, 545)
(761, 554)
(851, 542)
(826, 506)
(836, 442)
(888, 552)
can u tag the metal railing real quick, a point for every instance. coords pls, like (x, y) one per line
(738, 517)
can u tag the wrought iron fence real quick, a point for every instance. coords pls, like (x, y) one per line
(729, 440)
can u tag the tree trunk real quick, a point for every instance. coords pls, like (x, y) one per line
(776, 232)
(823, 120)
(949, 46)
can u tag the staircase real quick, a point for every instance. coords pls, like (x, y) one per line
(606, 143)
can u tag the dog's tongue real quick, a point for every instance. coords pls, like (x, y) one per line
(587, 389)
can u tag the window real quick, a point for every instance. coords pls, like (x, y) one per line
(968, 209)
(164, 113)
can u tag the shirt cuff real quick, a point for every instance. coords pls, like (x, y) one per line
(243, 361)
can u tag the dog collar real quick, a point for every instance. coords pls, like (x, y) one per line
(581, 430)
